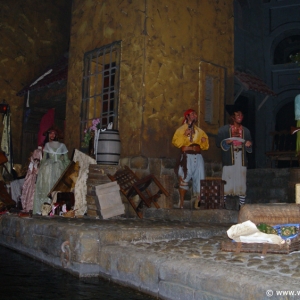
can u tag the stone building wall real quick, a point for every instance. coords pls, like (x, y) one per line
(260, 27)
(34, 34)
(163, 44)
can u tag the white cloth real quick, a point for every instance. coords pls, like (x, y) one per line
(247, 232)
(55, 148)
(16, 189)
(6, 142)
(235, 177)
(245, 228)
(80, 189)
(261, 237)
(195, 171)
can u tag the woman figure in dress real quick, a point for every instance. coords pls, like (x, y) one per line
(55, 160)
(28, 188)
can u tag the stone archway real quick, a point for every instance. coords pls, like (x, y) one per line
(285, 41)
(288, 46)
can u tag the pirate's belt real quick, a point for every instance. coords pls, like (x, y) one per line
(195, 149)
(237, 149)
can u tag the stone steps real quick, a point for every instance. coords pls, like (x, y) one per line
(263, 186)
(269, 186)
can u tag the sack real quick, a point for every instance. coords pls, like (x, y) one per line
(3, 158)
(46, 208)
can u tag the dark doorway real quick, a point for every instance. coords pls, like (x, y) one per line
(248, 108)
(42, 100)
(285, 119)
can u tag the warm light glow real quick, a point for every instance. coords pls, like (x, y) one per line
(3, 108)
(297, 193)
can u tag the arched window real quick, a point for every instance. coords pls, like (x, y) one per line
(285, 48)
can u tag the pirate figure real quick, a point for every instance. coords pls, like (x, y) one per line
(191, 140)
(235, 142)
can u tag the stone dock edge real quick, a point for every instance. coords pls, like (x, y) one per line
(169, 259)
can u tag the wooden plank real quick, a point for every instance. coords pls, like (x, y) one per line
(64, 183)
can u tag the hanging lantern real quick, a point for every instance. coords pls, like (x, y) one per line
(4, 107)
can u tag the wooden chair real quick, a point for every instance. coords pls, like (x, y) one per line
(283, 148)
(131, 186)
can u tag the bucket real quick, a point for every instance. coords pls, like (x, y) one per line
(109, 148)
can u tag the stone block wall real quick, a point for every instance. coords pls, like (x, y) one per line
(270, 186)
(163, 169)
(263, 185)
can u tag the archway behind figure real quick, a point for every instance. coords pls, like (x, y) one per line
(285, 119)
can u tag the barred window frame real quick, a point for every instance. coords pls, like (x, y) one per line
(100, 86)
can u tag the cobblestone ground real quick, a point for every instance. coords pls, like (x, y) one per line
(287, 265)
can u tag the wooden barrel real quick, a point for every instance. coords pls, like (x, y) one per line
(109, 148)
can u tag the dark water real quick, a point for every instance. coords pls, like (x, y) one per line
(24, 278)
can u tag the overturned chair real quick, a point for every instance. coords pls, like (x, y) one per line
(131, 185)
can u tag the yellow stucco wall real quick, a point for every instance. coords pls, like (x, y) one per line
(34, 34)
(163, 43)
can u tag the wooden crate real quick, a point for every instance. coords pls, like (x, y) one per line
(212, 193)
(65, 181)
(97, 175)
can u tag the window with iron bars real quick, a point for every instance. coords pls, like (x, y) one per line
(100, 86)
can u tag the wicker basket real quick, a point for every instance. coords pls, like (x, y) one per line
(271, 214)
(237, 247)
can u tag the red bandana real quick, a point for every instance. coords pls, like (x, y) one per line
(186, 113)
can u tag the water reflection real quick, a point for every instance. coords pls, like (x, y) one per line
(24, 278)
